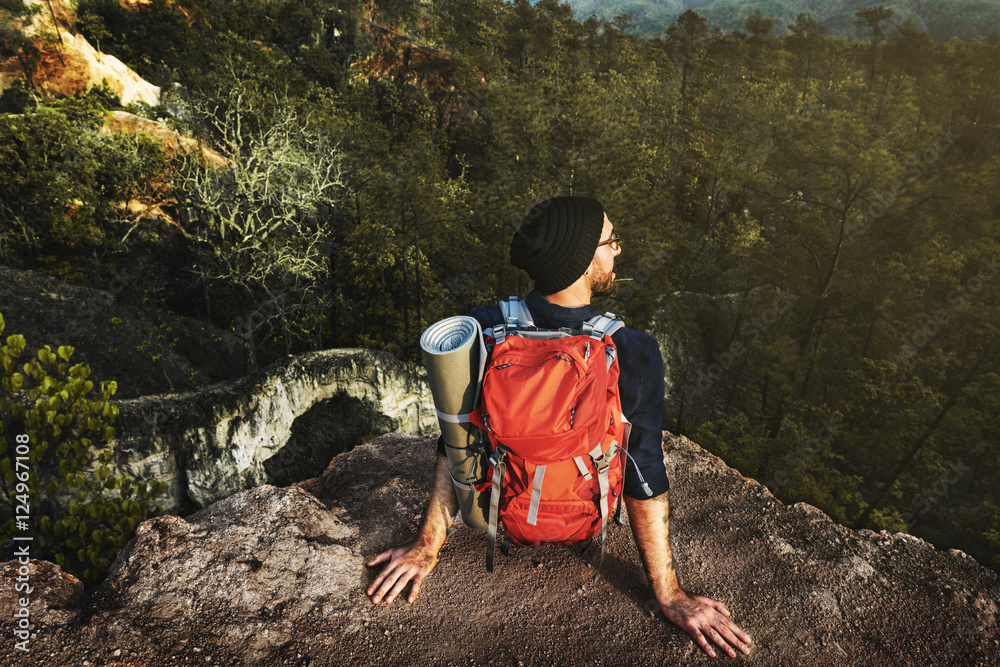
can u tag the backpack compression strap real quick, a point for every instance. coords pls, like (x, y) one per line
(464, 418)
(599, 327)
(499, 468)
(603, 462)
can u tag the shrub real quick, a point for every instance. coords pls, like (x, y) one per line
(53, 419)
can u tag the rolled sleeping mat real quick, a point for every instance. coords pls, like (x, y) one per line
(455, 356)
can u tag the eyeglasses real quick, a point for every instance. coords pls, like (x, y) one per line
(615, 242)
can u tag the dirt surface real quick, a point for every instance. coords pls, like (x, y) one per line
(276, 577)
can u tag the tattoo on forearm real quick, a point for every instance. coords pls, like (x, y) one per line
(642, 559)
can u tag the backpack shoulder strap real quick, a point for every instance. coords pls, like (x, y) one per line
(515, 314)
(600, 326)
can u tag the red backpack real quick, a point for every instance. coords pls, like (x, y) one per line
(551, 407)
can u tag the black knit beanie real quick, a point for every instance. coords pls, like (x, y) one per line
(557, 241)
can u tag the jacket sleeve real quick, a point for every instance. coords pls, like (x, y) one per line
(640, 384)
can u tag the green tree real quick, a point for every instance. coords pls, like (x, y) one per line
(67, 184)
(48, 167)
(154, 38)
(876, 21)
(806, 43)
(396, 236)
(687, 38)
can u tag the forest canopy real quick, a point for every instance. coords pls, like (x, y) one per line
(840, 196)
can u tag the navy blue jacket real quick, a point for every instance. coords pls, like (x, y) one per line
(640, 385)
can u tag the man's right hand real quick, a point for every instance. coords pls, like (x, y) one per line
(413, 563)
(406, 564)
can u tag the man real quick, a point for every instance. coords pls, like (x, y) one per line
(568, 247)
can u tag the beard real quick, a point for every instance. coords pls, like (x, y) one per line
(602, 283)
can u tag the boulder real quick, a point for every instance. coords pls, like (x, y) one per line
(276, 576)
(54, 597)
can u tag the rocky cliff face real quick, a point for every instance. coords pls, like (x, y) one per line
(274, 576)
(210, 443)
(69, 65)
(278, 426)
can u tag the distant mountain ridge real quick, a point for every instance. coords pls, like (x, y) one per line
(941, 19)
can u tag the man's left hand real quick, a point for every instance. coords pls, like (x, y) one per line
(706, 619)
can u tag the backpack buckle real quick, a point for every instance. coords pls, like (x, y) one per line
(601, 459)
(496, 458)
(512, 312)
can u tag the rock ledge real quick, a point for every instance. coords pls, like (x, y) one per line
(276, 576)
